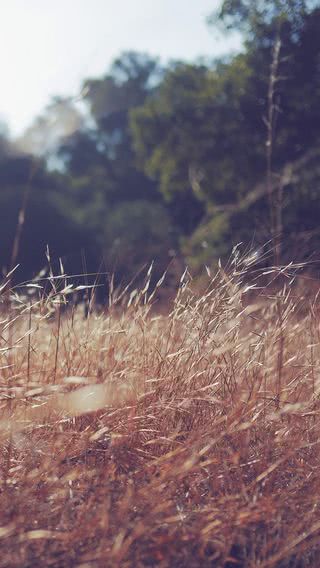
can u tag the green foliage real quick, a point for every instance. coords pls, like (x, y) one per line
(28, 189)
(136, 234)
(254, 17)
(192, 134)
(175, 157)
(204, 129)
(211, 240)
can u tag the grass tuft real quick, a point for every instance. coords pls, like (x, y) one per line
(133, 438)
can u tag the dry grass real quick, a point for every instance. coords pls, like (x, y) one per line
(136, 439)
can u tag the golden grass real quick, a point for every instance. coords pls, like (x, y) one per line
(136, 439)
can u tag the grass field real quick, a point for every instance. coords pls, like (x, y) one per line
(187, 439)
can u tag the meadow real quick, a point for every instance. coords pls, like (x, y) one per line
(138, 437)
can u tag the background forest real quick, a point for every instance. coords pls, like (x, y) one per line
(175, 163)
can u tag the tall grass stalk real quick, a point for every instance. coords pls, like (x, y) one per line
(157, 440)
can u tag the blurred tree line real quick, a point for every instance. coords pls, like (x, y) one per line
(169, 163)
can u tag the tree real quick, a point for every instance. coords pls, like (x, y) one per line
(256, 17)
(112, 196)
(32, 200)
(137, 234)
(59, 120)
(203, 129)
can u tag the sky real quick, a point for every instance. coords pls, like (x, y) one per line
(48, 47)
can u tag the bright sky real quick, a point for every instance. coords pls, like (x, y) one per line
(47, 47)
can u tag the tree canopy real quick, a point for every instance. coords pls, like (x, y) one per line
(162, 162)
